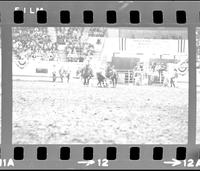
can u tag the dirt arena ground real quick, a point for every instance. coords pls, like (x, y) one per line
(56, 113)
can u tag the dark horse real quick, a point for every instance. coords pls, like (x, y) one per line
(101, 80)
(86, 74)
(113, 76)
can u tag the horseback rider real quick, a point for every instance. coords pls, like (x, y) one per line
(112, 74)
(101, 76)
(86, 67)
(86, 73)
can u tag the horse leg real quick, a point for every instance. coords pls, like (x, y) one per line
(61, 77)
(115, 82)
(87, 81)
(173, 83)
(103, 83)
(106, 84)
(98, 83)
(68, 79)
(84, 83)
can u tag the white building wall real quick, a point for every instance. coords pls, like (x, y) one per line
(148, 47)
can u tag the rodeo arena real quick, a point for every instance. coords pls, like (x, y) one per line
(0, 83)
(95, 85)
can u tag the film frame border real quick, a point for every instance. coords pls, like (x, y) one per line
(145, 8)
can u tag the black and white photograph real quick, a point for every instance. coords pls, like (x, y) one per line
(100, 85)
(198, 84)
(0, 84)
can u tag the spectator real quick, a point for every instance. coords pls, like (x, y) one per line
(37, 40)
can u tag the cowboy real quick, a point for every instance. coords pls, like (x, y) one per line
(61, 73)
(68, 72)
(174, 76)
(54, 73)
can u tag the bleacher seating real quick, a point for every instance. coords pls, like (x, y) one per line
(38, 41)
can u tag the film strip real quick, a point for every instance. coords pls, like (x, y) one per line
(100, 85)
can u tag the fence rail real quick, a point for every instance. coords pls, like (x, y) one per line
(127, 77)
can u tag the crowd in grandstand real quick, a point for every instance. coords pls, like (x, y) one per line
(38, 41)
(34, 40)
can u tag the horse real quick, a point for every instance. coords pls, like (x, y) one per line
(113, 76)
(86, 74)
(101, 79)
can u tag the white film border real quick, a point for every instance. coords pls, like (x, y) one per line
(111, 87)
